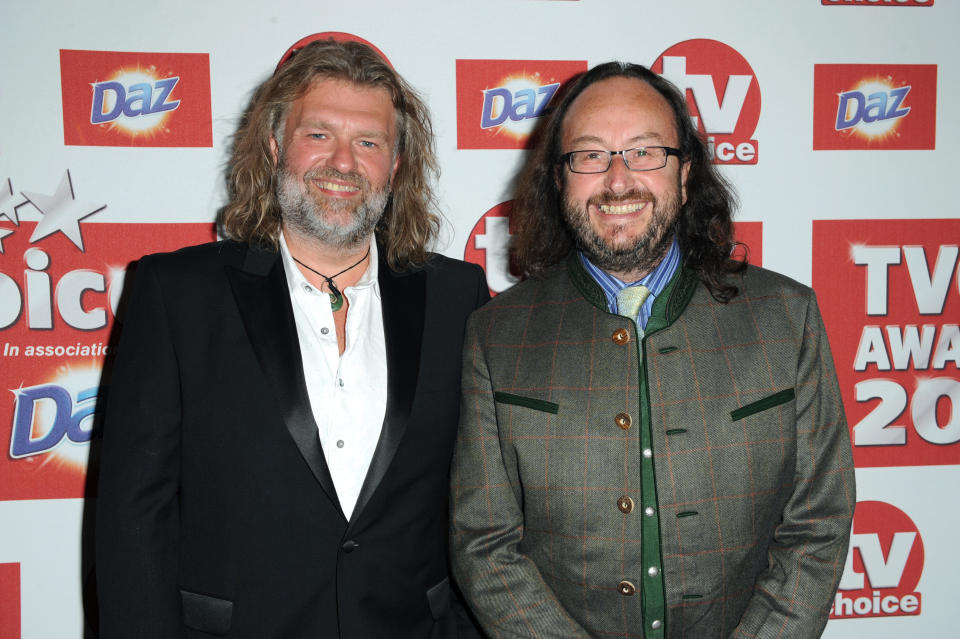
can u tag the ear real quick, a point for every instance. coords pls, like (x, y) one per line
(684, 172)
(274, 150)
(396, 165)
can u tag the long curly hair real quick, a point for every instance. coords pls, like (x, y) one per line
(409, 223)
(704, 228)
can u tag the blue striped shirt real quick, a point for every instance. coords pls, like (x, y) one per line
(656, 280)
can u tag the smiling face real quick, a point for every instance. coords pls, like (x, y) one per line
(622, 219)
(336, 162)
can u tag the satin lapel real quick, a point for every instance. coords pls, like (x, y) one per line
(260, 290)
(402, 298)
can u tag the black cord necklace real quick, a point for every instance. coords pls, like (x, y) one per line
(336, 297)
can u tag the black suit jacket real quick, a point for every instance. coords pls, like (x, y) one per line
(217, 515)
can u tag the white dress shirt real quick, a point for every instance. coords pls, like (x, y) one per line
(348, 393)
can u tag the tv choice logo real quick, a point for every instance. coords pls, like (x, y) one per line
(883, 566)
(898, 358)
(877, 107)
(489, 246)
(877, 3)
(70, 298)
(113, 98)
(723, 96)
(500, 101)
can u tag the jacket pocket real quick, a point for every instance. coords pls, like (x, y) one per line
(781, 397)
(205, 613)
(527, 402)
(438, 596)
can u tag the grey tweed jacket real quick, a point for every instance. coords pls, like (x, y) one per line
(695, 481)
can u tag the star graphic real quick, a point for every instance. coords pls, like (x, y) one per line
(61, 212)
(7, 208)
(3, 234)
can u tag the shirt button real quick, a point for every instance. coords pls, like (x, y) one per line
(625, 504)
(623, 420)
(340, 381)
(339, 443)
(655, 624)
(324, 330)
(620, 336)
(649, 511)
(647, 453)
(308, 288)
(653, 571)
(626, 588)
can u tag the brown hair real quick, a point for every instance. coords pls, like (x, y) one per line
(409, 222)
(704, 225)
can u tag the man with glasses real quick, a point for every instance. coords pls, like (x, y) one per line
(652, 441)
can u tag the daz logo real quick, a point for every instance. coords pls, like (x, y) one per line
(888, 106)
(883, 566)
(723, 96)
(135, 99)
(499, 101)
(489, 246)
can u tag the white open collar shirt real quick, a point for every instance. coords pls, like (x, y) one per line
(348, 393)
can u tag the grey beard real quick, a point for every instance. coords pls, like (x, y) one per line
(306, 216)
(644, 254)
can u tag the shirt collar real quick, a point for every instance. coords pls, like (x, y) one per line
(656, 280)
(296, 280)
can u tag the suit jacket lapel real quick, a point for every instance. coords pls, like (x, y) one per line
(262, 296)
(402, 298)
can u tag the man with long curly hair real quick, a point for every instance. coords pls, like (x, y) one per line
(652, 441)
(284, 404)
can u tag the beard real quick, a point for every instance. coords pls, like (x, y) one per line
(620, 253)
(315, 216)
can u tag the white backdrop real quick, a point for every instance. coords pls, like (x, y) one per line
(883, 182)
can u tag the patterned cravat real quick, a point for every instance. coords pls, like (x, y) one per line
(630, 299)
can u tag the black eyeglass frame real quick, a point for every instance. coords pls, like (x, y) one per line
(566, 158)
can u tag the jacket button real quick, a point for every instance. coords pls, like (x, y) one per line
(626, 588)
(621, 336)
(349, 546)
(623, 420)
(625, 504)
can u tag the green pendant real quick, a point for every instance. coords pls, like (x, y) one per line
(336, 301)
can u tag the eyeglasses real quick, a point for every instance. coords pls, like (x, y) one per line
(642, 158)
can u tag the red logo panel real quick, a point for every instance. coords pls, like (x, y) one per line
(874, 106)
(57, 305)
(890, 295)
(10, 601)
(114, 98)
(500, 101)
(750, 234)
(723, 96)
(883, 566)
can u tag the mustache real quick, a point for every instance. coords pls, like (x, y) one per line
(352, 178)
(633, 195)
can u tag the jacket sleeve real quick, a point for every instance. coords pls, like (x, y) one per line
(502, 586)
(792, 596)
(137, 509)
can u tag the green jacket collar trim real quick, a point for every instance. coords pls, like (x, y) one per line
(666, 308)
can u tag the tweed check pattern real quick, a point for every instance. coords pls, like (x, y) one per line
(754, 512)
